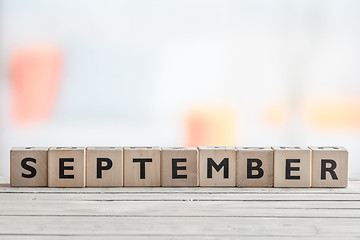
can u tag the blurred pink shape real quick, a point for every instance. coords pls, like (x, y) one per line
(210, 126)
(35, 77)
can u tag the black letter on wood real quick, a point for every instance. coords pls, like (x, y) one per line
(223, 164)
(289, 168)
(257, 167)
(176, 168)
(100, 167)
(142, 162)
(31, 169)
(330, 169)
(62, 168)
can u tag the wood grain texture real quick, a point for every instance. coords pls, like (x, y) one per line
(218, 155)
(37, 159)
(263, 154)
(179, 213)
(104, 167)
(74, 167)
(326, 158)
(134, 176)
(183, 159)
(300, 172)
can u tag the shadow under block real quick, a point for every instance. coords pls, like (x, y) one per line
(141, 166)
(66, 167)
(329, 167)
(292, 167)
(104, 167)
(179, 167)
(28, 167)
(217, 166)
(255, 167)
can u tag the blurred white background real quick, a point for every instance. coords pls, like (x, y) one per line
(171, 73)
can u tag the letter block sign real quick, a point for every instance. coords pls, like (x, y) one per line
(292, 166)
(329, 167)
(141, 166)
(28, 167)
(66, 166)
(179, 167)
(217, 166)
(104, 167)
(255, 167)
(296, 167)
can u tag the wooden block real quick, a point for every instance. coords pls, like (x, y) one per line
(217, 166)
(292, 166)
(66, 167)
(104, 167)
(141, 166)
(179, 167)
(255, 167)
(28, 167)
(329, 167)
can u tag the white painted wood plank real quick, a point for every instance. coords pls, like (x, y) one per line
(178, 213)
(169, 209)
(354, 187)
(178, 197)
(239, 204)
(187, 226)
(160, 237)
(198, 190)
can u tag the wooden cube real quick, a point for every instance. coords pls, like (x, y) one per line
(104, 167)
(292, 167)
(141, 166)
(66, 167)
(179, 167)
(329, 167)
(217, 166)
(255, 167)
(28, 167)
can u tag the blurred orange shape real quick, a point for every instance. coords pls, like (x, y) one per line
(210, 126)
(276, 114)
(341, 112)
(35, 76)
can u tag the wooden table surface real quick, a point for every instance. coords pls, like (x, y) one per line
(179, 213)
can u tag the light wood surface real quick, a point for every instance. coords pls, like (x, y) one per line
(179, 213)
(296, 161)
(179, 167)
(133, 167)
(35, 161)
(73, 173)
(104, 167)
(264, 158)
(219, 156)
(335, 161)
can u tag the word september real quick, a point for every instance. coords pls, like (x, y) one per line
(179, 167)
